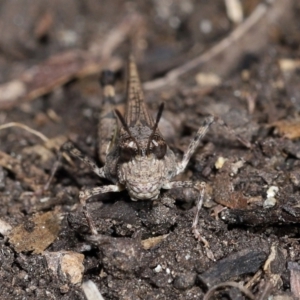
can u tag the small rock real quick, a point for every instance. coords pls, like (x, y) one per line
(185, 280)
(236, 166)
(64, 289)
(294, 277)
(295, 178)
(272, 191)
(246, 261)
(161, 280)
(5, 228)
(72, 267)
(208, 79)
(120, 256)
(269, 202)
(69, 262)
(220, 162)
(158, 269)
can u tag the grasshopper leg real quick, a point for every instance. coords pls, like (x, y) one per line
(107, 126)
(194, 144)
(200, 134)
(85, 194)
(71, 149)
(199, 187)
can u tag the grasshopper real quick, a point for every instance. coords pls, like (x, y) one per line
(136, 156)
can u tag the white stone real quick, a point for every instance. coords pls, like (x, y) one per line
(158, 269)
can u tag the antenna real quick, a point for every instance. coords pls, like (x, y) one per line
(121, 118)
(158, 116)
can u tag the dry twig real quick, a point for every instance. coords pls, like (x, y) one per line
(172, 76)
(244, 290)
(59, 69)
(25, 127)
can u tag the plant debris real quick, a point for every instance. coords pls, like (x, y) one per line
(35, 234)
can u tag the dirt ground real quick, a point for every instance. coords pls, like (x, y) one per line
(199, 58)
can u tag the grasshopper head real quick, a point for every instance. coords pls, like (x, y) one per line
(143, 176)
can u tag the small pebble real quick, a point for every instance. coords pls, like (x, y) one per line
(270, 202)
(205, 26)
(185, 280)
(5, 228)
(158, 269)
(69, 263)
(272, 191)
(64, 289)
(220, 162)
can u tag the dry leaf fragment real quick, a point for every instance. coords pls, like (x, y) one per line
(152, 242)
(289, 129)
(288, 64)
(224, 190)
(37, 233)
(208, 79)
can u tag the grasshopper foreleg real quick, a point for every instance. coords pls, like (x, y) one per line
(199, 186)
(71, 149)
(85, 194)
(194, 144)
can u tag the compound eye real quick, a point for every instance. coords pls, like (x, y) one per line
(160, 150)
(127, 153)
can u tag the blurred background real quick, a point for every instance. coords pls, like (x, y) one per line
(163, 34)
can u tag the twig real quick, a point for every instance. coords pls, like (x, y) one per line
(266, 292)
(91, 291)
(60, 68)
(25, 127)
(240, 31)
(255, 277)
(244, 290)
